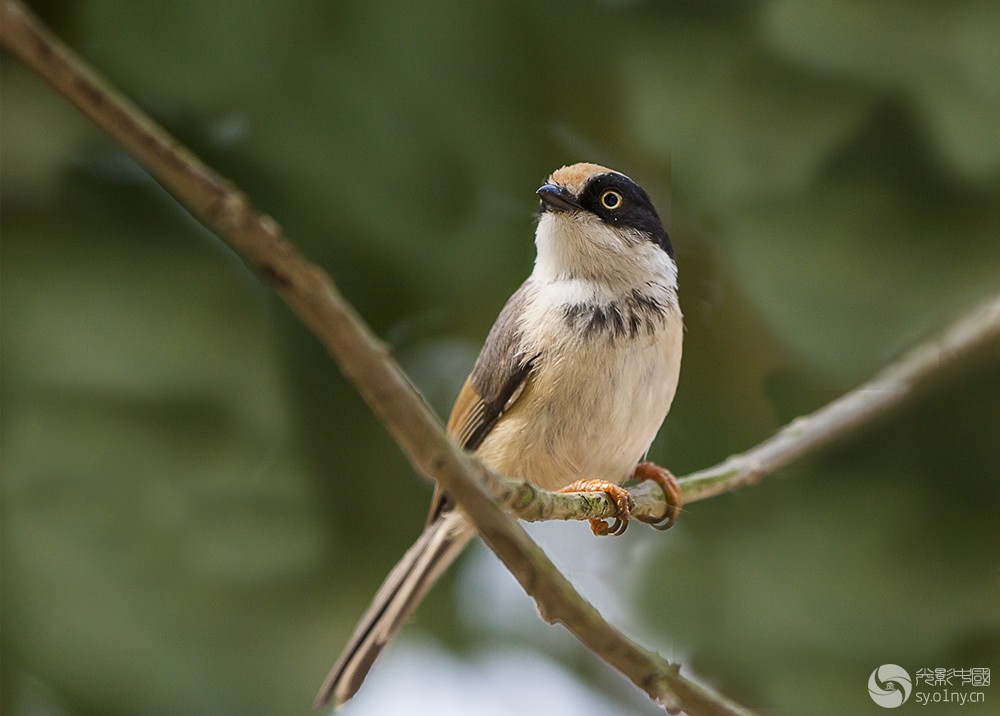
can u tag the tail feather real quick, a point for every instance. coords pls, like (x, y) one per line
(400, 593)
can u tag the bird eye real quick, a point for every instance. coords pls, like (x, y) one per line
(611, 199)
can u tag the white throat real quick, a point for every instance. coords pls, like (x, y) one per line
(600, 260)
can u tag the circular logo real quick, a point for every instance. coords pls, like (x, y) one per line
(890, 686)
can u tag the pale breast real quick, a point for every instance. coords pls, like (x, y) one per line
(595, 401)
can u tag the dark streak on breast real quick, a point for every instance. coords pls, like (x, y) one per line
(629, 315)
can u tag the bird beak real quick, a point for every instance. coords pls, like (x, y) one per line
(556, 198)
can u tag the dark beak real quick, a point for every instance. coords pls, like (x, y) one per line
(555, 198)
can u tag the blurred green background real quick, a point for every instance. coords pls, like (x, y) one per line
(196, 505)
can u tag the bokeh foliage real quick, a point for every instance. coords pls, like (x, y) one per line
(196, 506)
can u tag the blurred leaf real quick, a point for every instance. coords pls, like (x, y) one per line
(851, 277)
(739, 125)
(943, 56)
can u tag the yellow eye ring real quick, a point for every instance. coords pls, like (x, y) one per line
(611, 199)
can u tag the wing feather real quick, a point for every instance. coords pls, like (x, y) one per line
(496, 381)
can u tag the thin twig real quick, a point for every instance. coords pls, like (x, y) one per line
(971, 332)
(363, 358)
(892, 386)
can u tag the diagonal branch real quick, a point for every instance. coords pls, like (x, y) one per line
(976, 329)
(361, 356)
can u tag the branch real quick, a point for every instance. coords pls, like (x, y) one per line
(361, 356)
(896, 383)
(804, 435)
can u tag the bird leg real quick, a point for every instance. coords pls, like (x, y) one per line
(671, 492)
(619, 497)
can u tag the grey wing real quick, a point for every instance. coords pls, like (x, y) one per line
(498, 377)
(503, 368)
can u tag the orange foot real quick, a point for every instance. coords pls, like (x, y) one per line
(671, 491)
(618, 495)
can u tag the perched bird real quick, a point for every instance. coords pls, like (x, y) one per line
(571, 386)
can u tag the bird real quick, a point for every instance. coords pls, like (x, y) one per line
(571, 386)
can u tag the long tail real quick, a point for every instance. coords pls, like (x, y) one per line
(400, 593)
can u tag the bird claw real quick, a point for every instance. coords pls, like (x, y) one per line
(671, 493)
(618, 495)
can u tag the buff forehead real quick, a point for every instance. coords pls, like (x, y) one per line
(575, 176)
